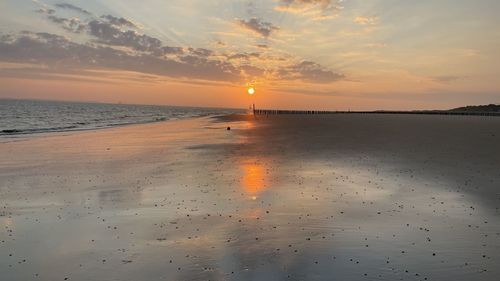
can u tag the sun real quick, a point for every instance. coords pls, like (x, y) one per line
(251, 91)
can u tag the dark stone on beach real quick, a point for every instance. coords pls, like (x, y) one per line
(229, 128)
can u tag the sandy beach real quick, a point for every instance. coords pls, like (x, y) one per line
(334, 197)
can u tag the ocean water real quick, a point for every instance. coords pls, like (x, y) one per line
(23, 117)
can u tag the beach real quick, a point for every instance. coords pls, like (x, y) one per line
(287, 197)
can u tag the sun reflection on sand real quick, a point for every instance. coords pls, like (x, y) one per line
(254, 180)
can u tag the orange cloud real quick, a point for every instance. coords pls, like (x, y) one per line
(366, 20)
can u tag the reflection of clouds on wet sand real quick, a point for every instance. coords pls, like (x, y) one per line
(339, 218)
(119, 197)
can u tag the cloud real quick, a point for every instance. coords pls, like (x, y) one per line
(114, 31)
(120, 22)
(45, 10)
(316, 9)
(73, 7)
(309, 72)
(166, 50)
(251, 71)
(376, 45)
(115, 44)
(219, 43)
(72, 24)
(244, 56)
(59, 52)
(258, 26)
(109, 34)
(366, 20)
(201, 52)
(446, 78)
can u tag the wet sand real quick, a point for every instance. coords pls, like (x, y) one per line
(337, 197)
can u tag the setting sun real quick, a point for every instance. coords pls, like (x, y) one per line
(251, 91)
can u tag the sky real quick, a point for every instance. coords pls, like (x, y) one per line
(297, 54)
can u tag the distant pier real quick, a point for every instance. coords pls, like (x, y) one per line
(322, 112)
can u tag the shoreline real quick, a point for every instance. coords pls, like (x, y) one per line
(15, 137)
(6, 137)
(21, 118)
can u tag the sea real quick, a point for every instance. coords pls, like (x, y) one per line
(20, 118)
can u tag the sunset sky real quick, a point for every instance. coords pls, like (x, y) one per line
(302, 54)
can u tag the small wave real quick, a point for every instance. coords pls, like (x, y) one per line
(39, 130)
(11, 131)
(19, 117)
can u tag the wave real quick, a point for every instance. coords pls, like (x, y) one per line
(23, 117)
(38, 130)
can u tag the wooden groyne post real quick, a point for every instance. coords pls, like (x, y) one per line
(320, 112)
